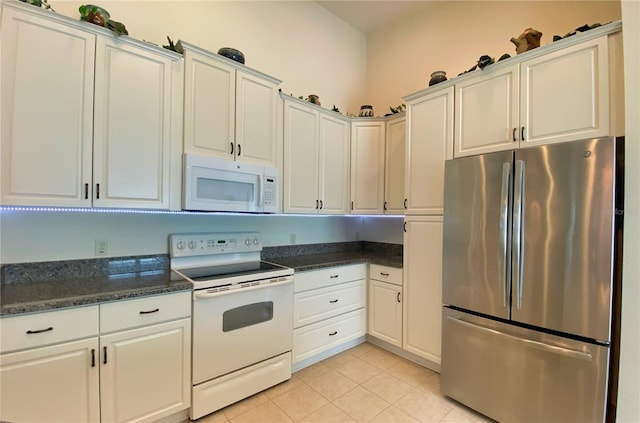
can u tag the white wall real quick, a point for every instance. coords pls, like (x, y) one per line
(299, 42)
(452, 35)
(46, 236)
(629, 385)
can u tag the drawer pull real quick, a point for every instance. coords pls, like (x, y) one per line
(31, 332)
(93, 357)
(335, 332)
(333, 301)
(334, 276)
(384, 274)
(150, 311)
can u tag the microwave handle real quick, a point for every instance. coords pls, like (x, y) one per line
(260, 188)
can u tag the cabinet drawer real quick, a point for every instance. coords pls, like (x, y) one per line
(385, 274)
(318, 337)
(144, 311)
(34, 330)
(330, 276)
(319, 304)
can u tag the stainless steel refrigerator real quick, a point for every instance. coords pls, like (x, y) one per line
(531, 279)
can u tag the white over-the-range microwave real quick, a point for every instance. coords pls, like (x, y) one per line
(213, 184)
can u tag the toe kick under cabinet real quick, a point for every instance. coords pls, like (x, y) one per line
(122, 361)
(328, 312)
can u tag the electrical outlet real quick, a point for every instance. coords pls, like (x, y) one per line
(101, 247)
(292, 238)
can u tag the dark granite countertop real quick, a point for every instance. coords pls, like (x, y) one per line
(47, 286)
(36, 287)
(306, 262)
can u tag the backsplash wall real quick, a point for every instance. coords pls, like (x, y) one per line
(33, 236)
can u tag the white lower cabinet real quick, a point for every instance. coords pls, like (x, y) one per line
(144, 372)
(58, 383)
(329, 310)
(385, 304)
(123, 361)
(422, 312)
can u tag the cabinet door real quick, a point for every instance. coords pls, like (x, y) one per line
(367, 167)
(300, 159)
(146, 373)
(565, 94)
(51, 384)
(394, 182)
(487, 105)
(209, 106)
(255, 119)
(385, 312)
(422, 312)
(334, 165)
(47, 111)
(132, 126)
(430, 143)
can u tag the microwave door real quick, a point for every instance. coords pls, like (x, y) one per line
(222, 190)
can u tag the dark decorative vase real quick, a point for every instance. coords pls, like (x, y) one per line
(366, 110)
(232, 53)
(437, 77)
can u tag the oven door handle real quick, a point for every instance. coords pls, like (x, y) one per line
(204, 294)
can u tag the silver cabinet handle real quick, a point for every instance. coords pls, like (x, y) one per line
(533, 344)
(517, 251)
(504, 214)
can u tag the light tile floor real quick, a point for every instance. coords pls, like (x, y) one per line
(362, 384)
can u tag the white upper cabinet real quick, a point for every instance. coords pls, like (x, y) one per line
(47, 111)
(564, 95)
(316, 160)
(229, 109)
(89, 119)
(367, 166)
(486, 117)
(395, 133)
(429, 144)
(132, 126)
(563, 92)
(334, 164)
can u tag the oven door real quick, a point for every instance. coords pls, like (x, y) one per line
(236, 328)
(222, 185)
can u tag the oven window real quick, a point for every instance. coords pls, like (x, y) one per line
(247, 315)
(220, 189)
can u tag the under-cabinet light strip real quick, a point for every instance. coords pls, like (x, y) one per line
(179, 212)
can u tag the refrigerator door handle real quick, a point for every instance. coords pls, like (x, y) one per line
(504, 212)
(531, 343)
(517, 256)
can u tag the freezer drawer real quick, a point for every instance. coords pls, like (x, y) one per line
(513, 374)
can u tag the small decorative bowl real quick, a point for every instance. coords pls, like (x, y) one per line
(94, 14)
(232, 54)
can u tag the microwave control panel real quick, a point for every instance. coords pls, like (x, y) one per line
(270, 190)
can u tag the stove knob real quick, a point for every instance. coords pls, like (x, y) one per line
(247, 242)
(180, 245)
(256, 241)
(192, 245)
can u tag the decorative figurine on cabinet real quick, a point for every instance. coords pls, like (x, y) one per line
(528, 40)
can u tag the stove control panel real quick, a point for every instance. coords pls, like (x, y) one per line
(200, 244)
